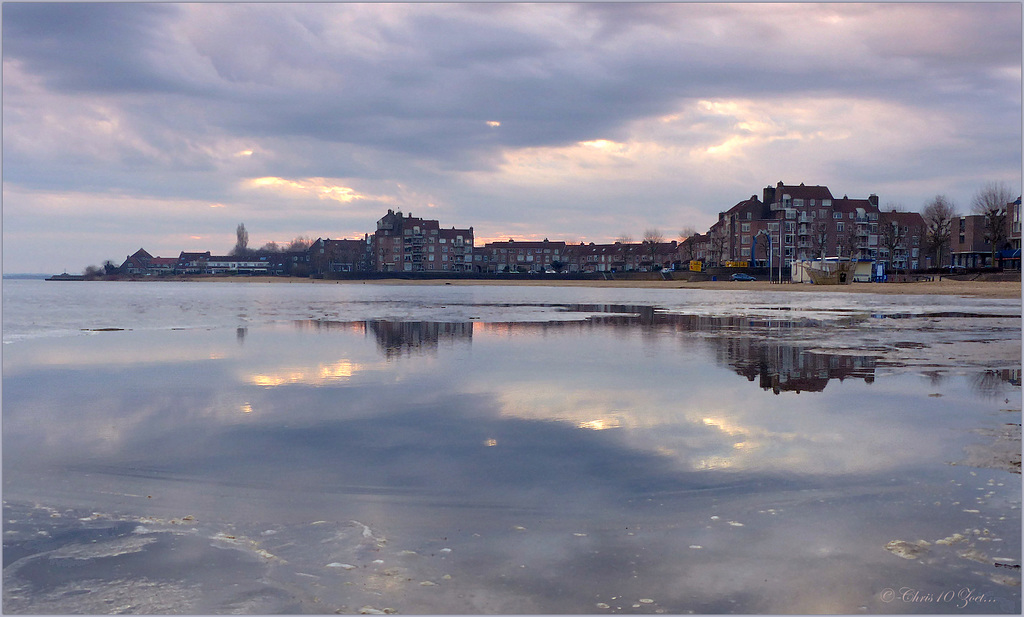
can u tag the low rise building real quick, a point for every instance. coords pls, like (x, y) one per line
(521, 256)
(326, 255)
(622, 257)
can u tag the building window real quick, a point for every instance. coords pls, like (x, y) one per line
(773, 226)
(798, 203)
(837, 215)
(789, 239)
(745, 227)
(745, 240)
(750, 216)
(840, 226)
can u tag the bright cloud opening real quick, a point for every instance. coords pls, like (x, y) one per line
(321, 188)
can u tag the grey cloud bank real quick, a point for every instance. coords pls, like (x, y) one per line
(165, 125)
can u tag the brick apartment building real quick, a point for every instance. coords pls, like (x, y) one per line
(971, 247)
(516, 256)
(412, 244)
(806, 222)
(328, 255)
(622, 257)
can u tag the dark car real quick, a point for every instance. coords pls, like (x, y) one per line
(742, 276)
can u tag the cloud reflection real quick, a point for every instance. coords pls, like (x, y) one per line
(321, 374)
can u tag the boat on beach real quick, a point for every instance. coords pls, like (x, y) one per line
(831, 272)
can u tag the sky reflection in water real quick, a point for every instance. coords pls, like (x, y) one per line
(702, 463)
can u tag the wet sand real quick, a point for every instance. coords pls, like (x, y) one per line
(978, 289)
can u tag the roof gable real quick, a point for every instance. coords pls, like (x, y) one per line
(801, 191)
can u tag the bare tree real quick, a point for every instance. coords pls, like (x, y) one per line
(242, 241)
(687, 243)
(652, 238)
(624, 239)
(270, 247)
(850, 242)
(92, 273)
(938, 217)
(819, 238)
(718, 241)
(991, 203)
(891, 234)
(299, 243)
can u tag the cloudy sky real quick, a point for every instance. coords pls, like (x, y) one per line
(165, 125)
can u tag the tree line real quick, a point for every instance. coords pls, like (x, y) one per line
(241, 248)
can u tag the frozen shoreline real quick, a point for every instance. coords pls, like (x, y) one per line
(980, 289)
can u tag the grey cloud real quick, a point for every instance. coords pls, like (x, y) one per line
(85, 46)
(439, 72)
(403, 92)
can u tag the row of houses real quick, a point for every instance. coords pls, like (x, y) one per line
(790, 223)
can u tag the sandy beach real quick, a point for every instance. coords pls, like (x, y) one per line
(978, 289)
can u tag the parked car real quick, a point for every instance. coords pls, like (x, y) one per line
(742, 276)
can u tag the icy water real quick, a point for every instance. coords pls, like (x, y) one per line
(275, 448)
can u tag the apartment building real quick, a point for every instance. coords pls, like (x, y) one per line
(901, 240)
(455, 250)
(970, 246)
(326, 255)
(411, 244)
(621, 257)
(1011, 257)
(799, 222)
(521, 256)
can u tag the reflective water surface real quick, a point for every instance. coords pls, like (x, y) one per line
(316, 449)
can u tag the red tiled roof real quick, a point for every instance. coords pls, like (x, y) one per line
(802, 192)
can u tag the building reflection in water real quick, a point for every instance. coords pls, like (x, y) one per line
(787, 368)
(396, 339)
(750, 346)
(407, 338)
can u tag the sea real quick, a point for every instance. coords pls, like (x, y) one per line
(374, 448)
